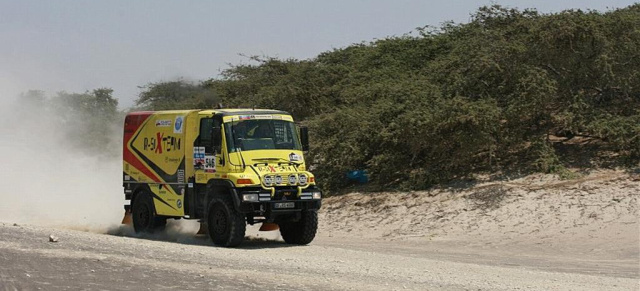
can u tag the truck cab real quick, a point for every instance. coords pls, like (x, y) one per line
(224, 167)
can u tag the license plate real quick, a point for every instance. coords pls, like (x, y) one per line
(281, 205)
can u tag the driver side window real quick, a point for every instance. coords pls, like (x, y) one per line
(209, 137)
(205, 139)
(216, 133)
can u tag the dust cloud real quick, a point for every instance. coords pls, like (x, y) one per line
(48, 178)
(61, 168)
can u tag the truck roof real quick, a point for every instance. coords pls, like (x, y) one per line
(224, 112)
(242, 111)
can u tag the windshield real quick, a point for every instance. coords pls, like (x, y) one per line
(261, 134)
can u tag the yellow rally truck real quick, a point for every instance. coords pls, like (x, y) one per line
(224, 167)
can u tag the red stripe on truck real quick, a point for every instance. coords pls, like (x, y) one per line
(132, 123)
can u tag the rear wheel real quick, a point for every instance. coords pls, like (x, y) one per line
(301, 232)
(144, 215)
(225, 225)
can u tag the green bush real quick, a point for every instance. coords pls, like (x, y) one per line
(449, 102)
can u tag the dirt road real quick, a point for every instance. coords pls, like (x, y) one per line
(534, 233)
(85, 260)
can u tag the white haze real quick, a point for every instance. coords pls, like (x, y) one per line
(47, 180)
(50, 179)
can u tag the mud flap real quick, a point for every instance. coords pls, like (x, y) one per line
(127, 218)
(203, 229)
(266, 226)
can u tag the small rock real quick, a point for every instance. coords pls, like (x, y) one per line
(93, 271)
(53, 238)
(29, 276)
(15, 224)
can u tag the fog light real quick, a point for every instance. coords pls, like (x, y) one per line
(293, 179)
(317, 195)
(302, 179)
(268, 181)
(250, 197)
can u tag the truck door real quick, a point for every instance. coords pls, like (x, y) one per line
(209, 148)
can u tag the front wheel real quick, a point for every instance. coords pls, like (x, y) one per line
(144, 216)
(226, 226)
(301, 232)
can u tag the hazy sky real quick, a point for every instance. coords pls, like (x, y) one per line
(81, 45)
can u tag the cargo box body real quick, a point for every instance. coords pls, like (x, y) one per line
(155, 155)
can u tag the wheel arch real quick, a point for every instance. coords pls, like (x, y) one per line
(221, 187)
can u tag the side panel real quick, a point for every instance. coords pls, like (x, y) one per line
(154, 154)
(192, 131)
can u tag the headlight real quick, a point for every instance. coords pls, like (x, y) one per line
(302, 179)
(317, 195)
(278, 179)
(268, 181)
(293, 179)
(250, 197)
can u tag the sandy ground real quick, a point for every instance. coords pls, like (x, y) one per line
(534, 233)
(595, 217)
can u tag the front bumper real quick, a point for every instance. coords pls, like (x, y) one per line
(262, 201)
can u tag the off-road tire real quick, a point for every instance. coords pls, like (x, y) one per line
(301, 232)
(225, 225)
(145, 219)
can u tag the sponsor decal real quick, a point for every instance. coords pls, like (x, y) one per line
(163, 123)
(178, 124)
(179, 203)
(294, 157)
(273, 169)
(161, 143)
(198, 157)
(171, 160)
(181, 176)
(245, 117)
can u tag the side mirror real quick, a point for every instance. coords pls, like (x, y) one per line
(304, 138)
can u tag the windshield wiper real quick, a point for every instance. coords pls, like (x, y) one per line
(233, 136)
(268, 159)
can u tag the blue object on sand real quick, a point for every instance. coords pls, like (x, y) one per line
(358, 175)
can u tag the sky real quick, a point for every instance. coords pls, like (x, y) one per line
(76, 46)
